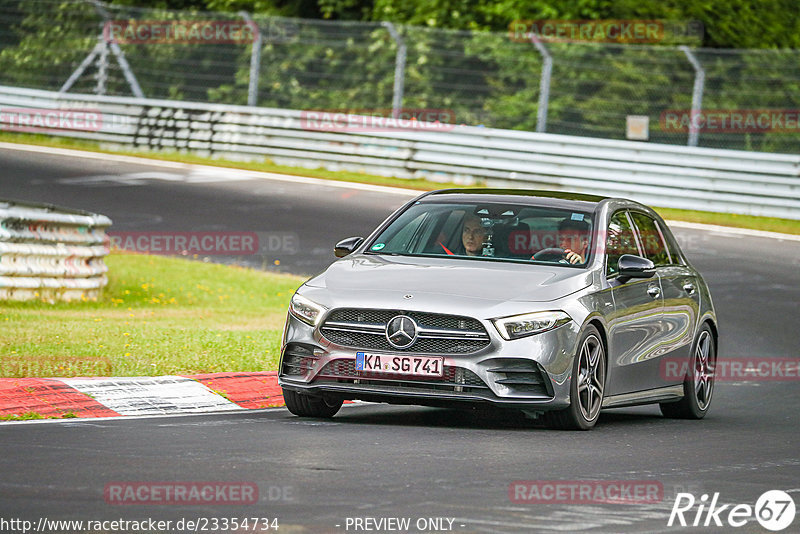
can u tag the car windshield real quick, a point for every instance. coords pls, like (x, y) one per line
(490, 232)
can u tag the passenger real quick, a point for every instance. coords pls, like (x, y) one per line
(473, 234)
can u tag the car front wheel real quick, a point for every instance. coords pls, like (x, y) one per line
(310, 406)
(586, 387)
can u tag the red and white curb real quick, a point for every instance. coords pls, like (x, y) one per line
(148, 395)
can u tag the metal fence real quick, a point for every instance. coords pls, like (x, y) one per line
(51, 253)
(483, 78)
(707, 179)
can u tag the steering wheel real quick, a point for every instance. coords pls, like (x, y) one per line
(553, 254)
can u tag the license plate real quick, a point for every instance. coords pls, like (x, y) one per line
(400, 365)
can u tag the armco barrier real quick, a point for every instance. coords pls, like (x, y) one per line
(755, 183)
(51, 253)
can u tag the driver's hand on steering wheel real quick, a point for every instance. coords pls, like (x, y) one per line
(572, 257)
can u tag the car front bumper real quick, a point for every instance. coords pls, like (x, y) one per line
(531, 373)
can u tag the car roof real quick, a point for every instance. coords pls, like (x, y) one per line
(556, 199)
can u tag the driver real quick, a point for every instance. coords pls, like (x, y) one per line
(573, 237)
(573, 243)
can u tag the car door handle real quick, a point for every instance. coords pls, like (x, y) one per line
(689, 288)
(654, 291)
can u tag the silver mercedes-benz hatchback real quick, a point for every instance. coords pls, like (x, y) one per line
(553, 303)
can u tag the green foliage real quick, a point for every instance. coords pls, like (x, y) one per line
(26, 416)
(728, 23)
(46, 43)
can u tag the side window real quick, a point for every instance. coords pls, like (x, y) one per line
(654, 248)
(672, 245)
(619, 241)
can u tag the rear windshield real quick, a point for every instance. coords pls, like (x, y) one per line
(489, 232)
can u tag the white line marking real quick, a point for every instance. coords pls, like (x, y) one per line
(224, 173)
(733, 231)
(134, 178)
(93, 155)
(152, 395)
(232, 411)
(221, 171)
(91, 421)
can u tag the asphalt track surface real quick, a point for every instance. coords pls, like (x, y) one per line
(383, 461)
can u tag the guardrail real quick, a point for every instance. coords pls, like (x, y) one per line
(51, 253)
(755, 183)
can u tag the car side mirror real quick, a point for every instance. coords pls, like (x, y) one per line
(631, 266)
(347, 246)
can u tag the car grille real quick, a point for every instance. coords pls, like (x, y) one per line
(437, 334)
(453, 379)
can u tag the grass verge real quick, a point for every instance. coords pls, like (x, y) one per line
(157, 316)
(770, 224)
(30, 416)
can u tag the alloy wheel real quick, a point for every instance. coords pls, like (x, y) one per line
(591, 377)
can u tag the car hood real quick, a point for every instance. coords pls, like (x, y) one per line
(473, 279)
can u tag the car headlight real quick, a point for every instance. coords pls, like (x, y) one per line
(527, 324)
(306, 310)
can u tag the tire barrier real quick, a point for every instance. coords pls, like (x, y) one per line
(51, 253)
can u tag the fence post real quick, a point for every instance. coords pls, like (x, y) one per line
(102, 70)
(130, 77)
(82, 67)
(100, 50)
(255, 60)
(399, 69)
(544, 83)
(697, 94)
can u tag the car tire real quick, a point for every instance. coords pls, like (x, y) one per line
(698, 385)
(310, 406)
(587, 386)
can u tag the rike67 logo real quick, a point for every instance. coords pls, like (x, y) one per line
(774, 510)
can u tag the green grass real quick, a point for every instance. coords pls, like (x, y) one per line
(157, 316)
(29, 416)
(771, 224)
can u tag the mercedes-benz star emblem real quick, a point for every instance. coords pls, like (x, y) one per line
(401, 332)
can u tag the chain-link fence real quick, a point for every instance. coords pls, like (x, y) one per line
(481, 78)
